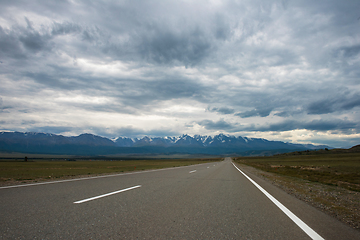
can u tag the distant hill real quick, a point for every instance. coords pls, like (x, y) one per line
(354, 149)
(89, 144)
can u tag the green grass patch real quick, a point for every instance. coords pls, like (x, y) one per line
(36, 169)
(340, 169)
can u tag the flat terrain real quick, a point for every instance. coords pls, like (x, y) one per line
(206, 201)
(36, 169)
(328, 180)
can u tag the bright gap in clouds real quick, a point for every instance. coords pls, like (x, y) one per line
(280, 70)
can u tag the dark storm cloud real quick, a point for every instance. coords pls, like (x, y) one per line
(10, 45)
(351, 51)
(264, 112)
(161, 33)
(165, 46)
(20, 42)
(153, 41)
(335, 104)
(321, 107)
(66, 78)
(127, 36)
(220, 125)
(283, 114)
(222, 28)
(52, 80)
(326, 125)
(351, 103)
(65, 28)
(33, 40)
(221, 110)
(166, 89)
(2, 107)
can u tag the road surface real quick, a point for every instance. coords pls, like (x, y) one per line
(206, 201)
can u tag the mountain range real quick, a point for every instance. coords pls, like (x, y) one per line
(89, 144)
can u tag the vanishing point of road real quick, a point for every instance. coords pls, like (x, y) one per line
(207, 201)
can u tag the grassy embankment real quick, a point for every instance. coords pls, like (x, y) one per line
(46, 169)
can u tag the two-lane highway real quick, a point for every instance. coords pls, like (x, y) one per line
(207, 201)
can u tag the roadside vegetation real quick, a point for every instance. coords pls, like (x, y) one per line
(327, 167)
(35, 169)
(326, 179)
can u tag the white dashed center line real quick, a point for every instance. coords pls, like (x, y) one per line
(108, 194)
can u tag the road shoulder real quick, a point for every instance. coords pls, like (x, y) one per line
(327, 226)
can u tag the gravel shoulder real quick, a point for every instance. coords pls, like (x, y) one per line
(343, 204)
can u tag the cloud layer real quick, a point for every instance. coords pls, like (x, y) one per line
(282, 70)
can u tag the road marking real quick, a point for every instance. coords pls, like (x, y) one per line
(108, 194)
(192, 171)
(87, 178)
(311, 233)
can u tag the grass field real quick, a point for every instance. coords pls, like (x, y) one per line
(40, 169)
(332, 168)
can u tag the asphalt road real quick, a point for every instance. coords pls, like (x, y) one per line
(207, 201)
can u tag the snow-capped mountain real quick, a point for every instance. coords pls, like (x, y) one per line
(90, 144)
(221, 140)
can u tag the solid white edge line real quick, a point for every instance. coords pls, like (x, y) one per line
(107, 194)
(311, 233)
(87, 178)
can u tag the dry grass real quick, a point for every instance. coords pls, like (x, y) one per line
(330, 182)
(40, 170)
(333, 169)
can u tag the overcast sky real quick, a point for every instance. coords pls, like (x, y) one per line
(280, 70)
